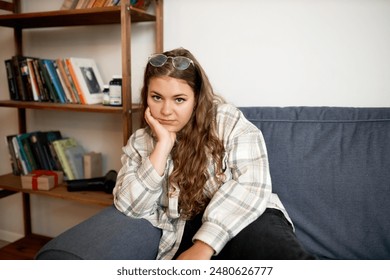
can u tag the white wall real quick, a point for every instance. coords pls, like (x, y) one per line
(263, 52)
(288, 52)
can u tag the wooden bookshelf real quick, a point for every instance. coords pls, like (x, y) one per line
(122, 15)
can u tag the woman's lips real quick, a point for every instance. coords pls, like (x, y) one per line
(166, 122)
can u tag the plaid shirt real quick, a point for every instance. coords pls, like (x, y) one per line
(243, 196)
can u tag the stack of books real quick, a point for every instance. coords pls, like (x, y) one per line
(85, 4)
(50, 151)
(69, 80)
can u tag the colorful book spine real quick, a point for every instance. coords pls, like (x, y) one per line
(11, 78)
(60, 146)
(24, 170)
(16, 168)
(75, 81)
(55, 80)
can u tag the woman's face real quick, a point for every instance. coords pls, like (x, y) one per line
(171, 102)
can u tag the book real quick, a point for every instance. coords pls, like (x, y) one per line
(75, 82)
(99, 3)
(54, 80)
(90, 4)
(52, 136)
(69, 4)
(52, 95)
(113, 2)
(33, 151)
(74, 156)
(28, 150)
(67, 81)
(25, 77)
(21, 162)
(19, 82)
(68, 94)
(93, 167)
(33, 79)
(82, 4)
(25, 153)
(43, 90)
(15, 164)
(41, 150)
(11, 79)
(37, 151)
(18, 78)
(61, 146)
(87, 79)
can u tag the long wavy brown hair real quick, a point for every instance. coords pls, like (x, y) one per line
(198, 142)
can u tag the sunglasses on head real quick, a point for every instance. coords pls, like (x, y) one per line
(179, 62)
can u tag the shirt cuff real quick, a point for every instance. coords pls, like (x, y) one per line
(149, 175)
(213, 235)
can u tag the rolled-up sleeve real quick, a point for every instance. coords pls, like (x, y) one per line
(138, 187)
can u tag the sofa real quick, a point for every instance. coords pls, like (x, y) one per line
(330, 167)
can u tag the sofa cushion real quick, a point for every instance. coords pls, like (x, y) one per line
(330, 167)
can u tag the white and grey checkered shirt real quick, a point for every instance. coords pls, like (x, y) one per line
(244, 195)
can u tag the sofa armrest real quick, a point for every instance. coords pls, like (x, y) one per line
(108, 235)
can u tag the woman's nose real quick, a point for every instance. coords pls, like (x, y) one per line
(166, 109)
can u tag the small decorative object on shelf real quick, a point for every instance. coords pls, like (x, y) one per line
(115, 91)
(42, 180)
(106, 95)
(92, 163)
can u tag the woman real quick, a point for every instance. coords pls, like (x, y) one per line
(199, 171)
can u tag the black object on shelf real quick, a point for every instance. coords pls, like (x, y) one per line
(105, 183)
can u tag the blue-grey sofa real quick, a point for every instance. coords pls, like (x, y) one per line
(330, 167)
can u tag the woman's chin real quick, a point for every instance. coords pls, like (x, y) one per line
(171, 128)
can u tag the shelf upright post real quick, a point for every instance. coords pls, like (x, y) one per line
(159, 4)
(18, 40)
(126, 69)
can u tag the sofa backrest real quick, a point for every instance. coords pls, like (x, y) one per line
(330, 167)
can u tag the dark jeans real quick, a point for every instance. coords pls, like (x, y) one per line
(270, 237)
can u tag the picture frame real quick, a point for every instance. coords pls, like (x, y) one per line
(87, 79)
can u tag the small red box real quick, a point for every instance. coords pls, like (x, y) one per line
(42, 180)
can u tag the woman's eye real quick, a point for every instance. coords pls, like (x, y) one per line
(180, 100)
(156, 98)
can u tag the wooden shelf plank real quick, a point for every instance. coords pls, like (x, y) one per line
(13, 183)
(99, 108)
(75, 17)
(24, 249)
(6, 6)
